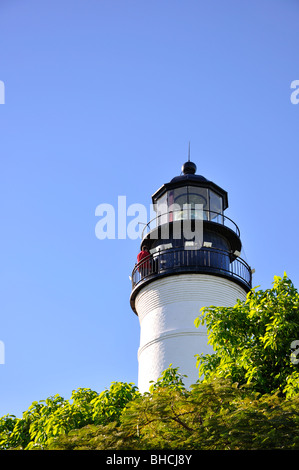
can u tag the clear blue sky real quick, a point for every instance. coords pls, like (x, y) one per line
(101, 100)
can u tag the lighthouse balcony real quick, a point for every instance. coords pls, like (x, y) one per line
(205, 260)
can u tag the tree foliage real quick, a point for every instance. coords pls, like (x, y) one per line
(214, 414)
(211, 416)
(252, 340)
(247, 399)
(56, 416)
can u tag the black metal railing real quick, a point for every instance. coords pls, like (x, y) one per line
(204, 260)
(189, 213)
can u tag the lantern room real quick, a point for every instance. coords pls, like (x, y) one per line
(191, 198)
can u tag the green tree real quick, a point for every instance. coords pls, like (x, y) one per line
(103, 432)
(213, 415)
(7, 425)
(60, 416)
(109, 405)
(252, 340)
(55, 416)
(171, 378)
(29, 431)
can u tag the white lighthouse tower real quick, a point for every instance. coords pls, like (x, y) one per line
(185, 271)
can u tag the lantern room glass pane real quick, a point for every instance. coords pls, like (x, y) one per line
(198, 196)
(180, 197)
(162, 210)
(216, 210)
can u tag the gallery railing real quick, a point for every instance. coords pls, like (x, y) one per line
(205, 215)
(204, 260)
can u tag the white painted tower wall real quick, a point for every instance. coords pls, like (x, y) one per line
(167, 309)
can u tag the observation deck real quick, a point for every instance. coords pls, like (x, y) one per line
(176, 256)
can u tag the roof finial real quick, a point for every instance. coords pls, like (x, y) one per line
(189, 152)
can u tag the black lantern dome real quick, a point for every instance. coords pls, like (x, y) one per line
(190, 179)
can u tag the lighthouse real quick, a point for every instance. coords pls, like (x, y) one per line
(192, 259)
